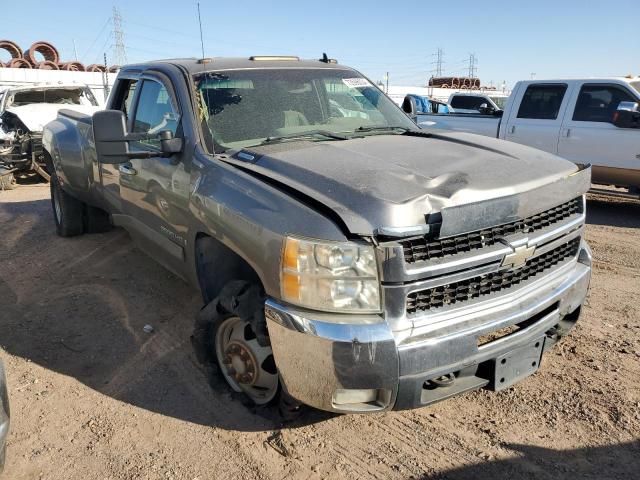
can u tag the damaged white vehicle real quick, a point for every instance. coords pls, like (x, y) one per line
(23, 113)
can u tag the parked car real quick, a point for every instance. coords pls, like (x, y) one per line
(24, 111)
(589, 121)
(426, 105)
(351, 263)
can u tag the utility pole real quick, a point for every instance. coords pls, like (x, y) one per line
(472, 65)
(119, 51)
(387, 79)
(105, 79)
(439, 62)
(75, 50)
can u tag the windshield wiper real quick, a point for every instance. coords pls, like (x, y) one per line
(381, 129)
(309, 133)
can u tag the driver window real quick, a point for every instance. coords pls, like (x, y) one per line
(154, 112)
(597, 103)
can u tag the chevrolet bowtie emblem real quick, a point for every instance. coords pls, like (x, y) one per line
(518, 257)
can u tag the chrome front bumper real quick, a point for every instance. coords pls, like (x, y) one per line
(364, 366)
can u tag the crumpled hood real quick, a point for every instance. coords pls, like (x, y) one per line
(395, 180)
(36, 115)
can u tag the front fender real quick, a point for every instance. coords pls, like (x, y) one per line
(251, 218)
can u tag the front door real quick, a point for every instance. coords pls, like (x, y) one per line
(539, 118)
(110, 174)
(155, 191)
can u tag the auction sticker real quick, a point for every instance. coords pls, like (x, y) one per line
(356, 82)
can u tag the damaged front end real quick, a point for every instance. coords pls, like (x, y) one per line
(20, 148)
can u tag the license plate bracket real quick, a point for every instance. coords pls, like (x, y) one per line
(516, 364)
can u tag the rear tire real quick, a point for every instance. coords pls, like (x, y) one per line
(8, 182)
(68, 212)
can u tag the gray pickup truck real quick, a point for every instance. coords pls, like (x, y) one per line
(347, 259)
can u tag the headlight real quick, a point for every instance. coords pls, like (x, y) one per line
(330, 276)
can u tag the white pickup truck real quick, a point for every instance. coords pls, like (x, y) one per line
(589, 121)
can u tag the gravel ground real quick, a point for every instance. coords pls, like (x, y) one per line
(95, 397)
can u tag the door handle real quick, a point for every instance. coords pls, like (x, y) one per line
(127, 170)
(512, 130)
(567, 132)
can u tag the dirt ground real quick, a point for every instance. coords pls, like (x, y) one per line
(95, 397)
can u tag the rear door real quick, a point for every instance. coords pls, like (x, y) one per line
(589, 136)
(537, 115)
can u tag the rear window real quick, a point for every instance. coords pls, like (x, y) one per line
(542, 102)
(499, 101)
(636, 86)
(62, 96)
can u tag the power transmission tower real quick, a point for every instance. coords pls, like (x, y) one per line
(119, 51)
(472, 65)
(439, 62)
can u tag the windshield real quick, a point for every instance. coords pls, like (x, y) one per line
(64, 96)
(243, 108)
(636, 86)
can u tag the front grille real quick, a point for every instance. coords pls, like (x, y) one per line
(491, 282)
(420, 249)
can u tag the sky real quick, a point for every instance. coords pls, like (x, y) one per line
(511, 40)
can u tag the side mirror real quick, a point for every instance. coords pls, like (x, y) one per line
(409, 106)
(168, 143)
(485, 109)
(627, 115)
(110, 135)
(112, 140)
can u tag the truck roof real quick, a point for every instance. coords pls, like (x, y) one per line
(194, 65)
(627, 79)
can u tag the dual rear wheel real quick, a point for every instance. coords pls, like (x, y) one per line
(74, 217)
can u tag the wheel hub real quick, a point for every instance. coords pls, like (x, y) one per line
(240, 363)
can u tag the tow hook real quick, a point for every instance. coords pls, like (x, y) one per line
(444, 380)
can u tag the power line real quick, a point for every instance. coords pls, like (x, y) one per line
(102, 49)
(86, 53)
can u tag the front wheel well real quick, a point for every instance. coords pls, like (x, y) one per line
(217, 265)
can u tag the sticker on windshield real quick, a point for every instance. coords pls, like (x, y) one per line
(356, 82)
